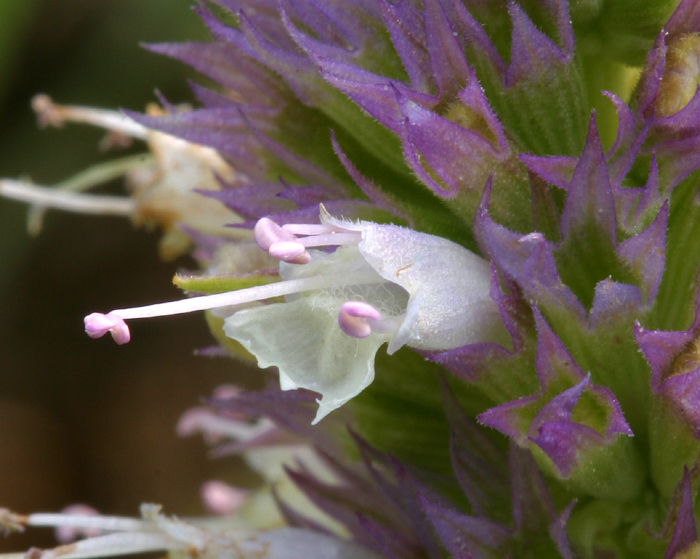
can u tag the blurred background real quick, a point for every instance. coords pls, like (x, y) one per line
(82, 420)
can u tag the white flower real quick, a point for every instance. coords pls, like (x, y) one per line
(206, 540)
(394, 286)
(382, 284)
(164, 185)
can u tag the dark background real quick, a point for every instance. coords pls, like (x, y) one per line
(83, 420)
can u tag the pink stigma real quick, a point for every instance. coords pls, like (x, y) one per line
(98, 324)
(354, 318)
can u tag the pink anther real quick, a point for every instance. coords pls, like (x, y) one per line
(267, 233)
(226, 392)
(66, 534)
(355, 316)
(98, 324)
(221, 498)
(201, 420)
(290, 251)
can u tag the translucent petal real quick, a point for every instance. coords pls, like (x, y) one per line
(303, 339)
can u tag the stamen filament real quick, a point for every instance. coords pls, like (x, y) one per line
(332, 239)
(122, 543)
(310, 229)
(84, 180)
(96, 522)
(388, 325)
(249, 295)
(213, 425)
(67, 200)
(102, 173)
(56, 115)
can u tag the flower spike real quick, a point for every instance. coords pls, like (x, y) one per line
(467, 120)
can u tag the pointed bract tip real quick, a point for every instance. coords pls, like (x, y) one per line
(98, 324)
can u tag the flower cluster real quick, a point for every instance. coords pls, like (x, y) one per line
(503, 193)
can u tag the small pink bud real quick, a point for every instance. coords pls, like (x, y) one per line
(220, 498)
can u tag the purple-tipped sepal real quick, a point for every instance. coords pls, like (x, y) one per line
(685, 532)
(666, 100)
(596, 208)
(675, 384)
(578, 426)
(675, 368)
(527, 260)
